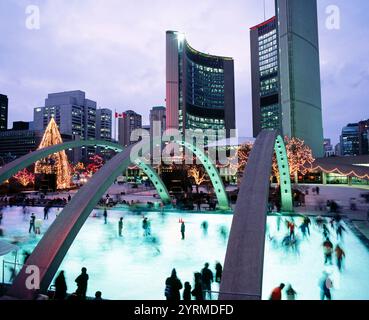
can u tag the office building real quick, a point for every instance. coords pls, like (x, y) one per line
(18, 141)
(74, 114)
(286, 73)
(200, 92)
(328, 148)
(127, 123)
(350, 140)
(3, 112)
(104, 120)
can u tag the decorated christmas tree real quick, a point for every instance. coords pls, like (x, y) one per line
(56, 163)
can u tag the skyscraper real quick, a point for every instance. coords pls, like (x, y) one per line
(127, 123)
(350, 140)
(289, 97)
(104, 119)
(3, 112)
(74, 114)
(200, 90)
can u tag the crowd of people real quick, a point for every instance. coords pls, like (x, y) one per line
(329, 228)
(202, 285)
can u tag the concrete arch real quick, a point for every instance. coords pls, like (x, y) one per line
(12, 168)
(244, 262)
(52, 248)
(211, 170)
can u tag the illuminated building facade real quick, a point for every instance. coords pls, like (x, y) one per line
(200, 90)
(286, 73)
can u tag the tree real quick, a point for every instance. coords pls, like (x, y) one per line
(198, 176)
(57, 163)
(96, 162)
(25, 177)
(298, 154)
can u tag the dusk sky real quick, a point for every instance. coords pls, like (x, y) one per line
(115, 51)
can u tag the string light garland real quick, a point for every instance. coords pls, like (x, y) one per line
(56, 163)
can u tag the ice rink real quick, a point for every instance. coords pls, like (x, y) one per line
(135, 267)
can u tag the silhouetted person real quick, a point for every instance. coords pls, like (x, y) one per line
(218, 272)
(82, 281)
(307, 223)
(328, 250)
(120, 226)
(183, 230)
(207, 278)
(32, 224)
(340, 254)
(277, 293)
(46, 213)
(60, 287)
(205, 227)
(98, 296)
(187, 292)
(325, 287)
(340, 230)
(26, 255)
(173, 286)
(69, 198)
(105, 216)
(197, 292)
(291, 293)
(1, 217)
(317, 189)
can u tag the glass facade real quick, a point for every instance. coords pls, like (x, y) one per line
(3, 112)
(203, 92)
(269, 78)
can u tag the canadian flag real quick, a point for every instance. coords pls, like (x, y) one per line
(120, 115)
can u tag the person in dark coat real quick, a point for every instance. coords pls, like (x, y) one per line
(183, 230)
(173, 286)
(105, 216)
(120, 227)
(60, 287)
(207, 278)
(197, 292)
(82, 281)
(187, 292)
(32, 224)
(218, 272)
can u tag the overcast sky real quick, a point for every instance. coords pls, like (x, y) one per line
(115, 51)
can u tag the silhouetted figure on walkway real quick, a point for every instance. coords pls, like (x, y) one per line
(32, 224)
(60, 287)
(198, 292)
(218, 272)
(291, 293)
(120, 227)
(172, 287)
(317, 189)
(105, 216)
(183, 230)
(82, 281)
(98, 296)
(340, 255)
(207, 278)
(277, 293)
(69, 198)
(187, 292)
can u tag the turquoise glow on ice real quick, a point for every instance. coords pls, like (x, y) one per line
(134, 267)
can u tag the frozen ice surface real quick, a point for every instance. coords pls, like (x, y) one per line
(135, 267)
